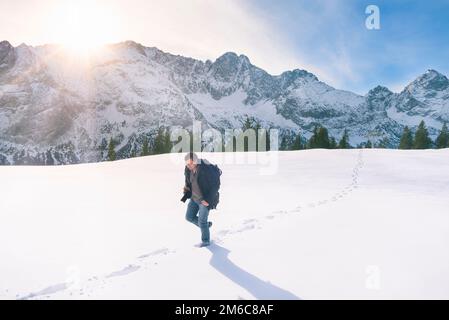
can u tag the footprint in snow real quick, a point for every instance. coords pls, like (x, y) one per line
(127, 270)
(49, 290)
(154, 253)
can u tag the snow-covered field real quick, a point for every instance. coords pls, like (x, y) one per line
(363, 224)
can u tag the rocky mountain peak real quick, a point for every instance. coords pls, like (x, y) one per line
(7, 56)
(298, 73)
(228, 66)
(4, 45)
(430, 80)
(379, 91)
(233, 61)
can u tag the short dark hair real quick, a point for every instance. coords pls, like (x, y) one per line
(191, 156)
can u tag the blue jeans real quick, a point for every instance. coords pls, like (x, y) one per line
(198, 214)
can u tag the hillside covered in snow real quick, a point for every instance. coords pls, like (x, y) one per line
(363, 224)
(60, 108)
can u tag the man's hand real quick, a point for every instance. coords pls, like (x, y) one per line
(185, 189)
(204, 203)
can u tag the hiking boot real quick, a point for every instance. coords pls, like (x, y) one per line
(202, 244)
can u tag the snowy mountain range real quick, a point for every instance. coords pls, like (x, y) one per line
(60, 108)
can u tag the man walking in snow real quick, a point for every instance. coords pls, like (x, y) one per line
(202, 182)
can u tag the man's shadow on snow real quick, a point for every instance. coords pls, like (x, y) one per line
(260, 289)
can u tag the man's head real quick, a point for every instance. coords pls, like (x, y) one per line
(191, 160)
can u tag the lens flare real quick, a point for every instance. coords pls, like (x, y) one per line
(82, 26)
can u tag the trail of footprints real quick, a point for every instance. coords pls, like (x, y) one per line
(347, 190)
(151, 259)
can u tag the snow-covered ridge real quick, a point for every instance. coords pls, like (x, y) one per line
(58, 108)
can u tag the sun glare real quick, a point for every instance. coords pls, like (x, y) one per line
(82, 26)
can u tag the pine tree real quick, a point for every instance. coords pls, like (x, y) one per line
(103, 147)
(252, 123)
(313, 141)
(297, 144)
(248, 123)
(344, 142)
(369, 144)
(322, 140)
(442, 140)
(406, 139)
(167, 142)
(111, 150)
(162, 142)
(145, 147)
(159, 142)
(284, 144)
(422, 140)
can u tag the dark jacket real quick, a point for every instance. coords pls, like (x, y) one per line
(208, 188)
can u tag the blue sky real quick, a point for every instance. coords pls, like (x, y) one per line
(331, 36)
(325, 37)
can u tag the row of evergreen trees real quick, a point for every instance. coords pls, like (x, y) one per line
(161, 144)
(319, 139)
(421, 139)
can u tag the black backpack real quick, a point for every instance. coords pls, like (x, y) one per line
(215, 173)
(214, 179)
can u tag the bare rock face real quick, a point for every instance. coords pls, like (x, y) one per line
(7, 57)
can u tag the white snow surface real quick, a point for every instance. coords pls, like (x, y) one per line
(326, 224)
